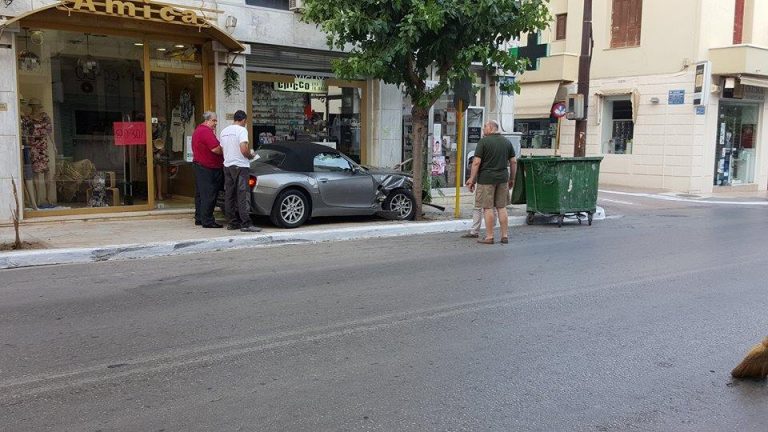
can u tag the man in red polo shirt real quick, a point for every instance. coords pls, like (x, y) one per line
(209, 175)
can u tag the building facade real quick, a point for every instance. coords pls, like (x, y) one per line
(101, 96)
(677, 91)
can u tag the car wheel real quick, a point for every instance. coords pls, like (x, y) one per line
(291, 209)
(401, 203)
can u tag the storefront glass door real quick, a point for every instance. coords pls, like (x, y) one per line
(735, 145)
(177, 101)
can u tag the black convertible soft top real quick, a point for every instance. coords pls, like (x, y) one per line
(299, 155)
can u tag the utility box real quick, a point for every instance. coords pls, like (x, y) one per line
(575, 107)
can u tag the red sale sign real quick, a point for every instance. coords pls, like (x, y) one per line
(130, 133)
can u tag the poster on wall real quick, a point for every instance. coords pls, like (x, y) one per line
(473, 132)
(129, 133)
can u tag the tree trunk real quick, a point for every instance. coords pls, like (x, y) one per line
(419, 117)
(16, 214)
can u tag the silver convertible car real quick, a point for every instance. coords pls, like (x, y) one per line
(293, 181)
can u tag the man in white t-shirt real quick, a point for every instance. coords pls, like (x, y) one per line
(237, 167)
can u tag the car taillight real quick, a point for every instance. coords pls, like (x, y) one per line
(252, 182)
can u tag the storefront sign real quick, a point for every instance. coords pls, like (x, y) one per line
(130, 133)
(303, 85)
(139, 9)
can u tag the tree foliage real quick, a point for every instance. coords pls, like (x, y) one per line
(401, 41)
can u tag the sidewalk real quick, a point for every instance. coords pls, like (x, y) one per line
(172, 232)
(79, 239)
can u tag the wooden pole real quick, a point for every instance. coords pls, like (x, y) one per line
(585, 60)
(459, 159)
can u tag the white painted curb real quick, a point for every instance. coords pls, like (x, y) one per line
(134, 251)
(34, 258)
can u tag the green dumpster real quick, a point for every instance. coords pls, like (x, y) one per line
(562, 187)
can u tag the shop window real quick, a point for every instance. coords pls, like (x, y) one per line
(273, 4)
(560, 26)
(618, 126)
(537, 133)
(83, 125)
(626, 20)
(308, 110)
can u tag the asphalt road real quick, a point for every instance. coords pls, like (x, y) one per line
(630, 325)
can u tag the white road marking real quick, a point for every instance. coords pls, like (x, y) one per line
(688, 200)
(617, 201)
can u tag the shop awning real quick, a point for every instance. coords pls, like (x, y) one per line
(634, 97)
(753, 81)
(58, 15)
(535, 99)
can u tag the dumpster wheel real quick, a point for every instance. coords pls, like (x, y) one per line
(529, 218)
(589, 218)
(560, 220)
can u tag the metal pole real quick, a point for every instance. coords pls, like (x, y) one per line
(585, 60)
(459, 159)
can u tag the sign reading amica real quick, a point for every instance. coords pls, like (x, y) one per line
(139, 9)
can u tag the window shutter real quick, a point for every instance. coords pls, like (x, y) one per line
(618, 24)
(562, 19)
(635, 20)
(626, 19)
(738, 22)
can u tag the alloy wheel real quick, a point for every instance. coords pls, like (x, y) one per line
(401, 204)
(292, 209)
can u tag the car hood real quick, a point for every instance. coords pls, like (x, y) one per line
(391, 179)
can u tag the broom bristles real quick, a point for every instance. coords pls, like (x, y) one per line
(755, 364)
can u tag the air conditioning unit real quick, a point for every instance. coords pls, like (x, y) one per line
(296, 5)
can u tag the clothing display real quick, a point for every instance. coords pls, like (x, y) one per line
(38, 129)
(179, 129)
(182, 121)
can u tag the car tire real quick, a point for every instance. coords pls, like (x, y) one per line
(401, 203)
(291, 209)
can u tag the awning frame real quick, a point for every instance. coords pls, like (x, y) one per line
(634, 98)
(210, 30)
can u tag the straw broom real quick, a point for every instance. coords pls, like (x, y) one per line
(755, 364)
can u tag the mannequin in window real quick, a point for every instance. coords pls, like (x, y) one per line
(42, 154)
(26, 132)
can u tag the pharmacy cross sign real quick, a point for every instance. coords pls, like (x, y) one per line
(533, 51)
(146, 10)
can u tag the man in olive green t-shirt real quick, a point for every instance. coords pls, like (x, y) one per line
(493, 170)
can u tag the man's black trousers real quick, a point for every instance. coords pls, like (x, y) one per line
(208, 183)
(237, 196)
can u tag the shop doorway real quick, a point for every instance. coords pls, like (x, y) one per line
(177, 101)
(735, 145)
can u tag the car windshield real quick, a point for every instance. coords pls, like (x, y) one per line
(353, 163)
(270, 157)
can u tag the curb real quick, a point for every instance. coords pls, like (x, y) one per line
(35, 258)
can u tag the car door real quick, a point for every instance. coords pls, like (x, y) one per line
(342, 186)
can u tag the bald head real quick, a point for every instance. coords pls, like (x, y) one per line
(491, 127)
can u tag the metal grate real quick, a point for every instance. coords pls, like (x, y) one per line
(266, 57)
